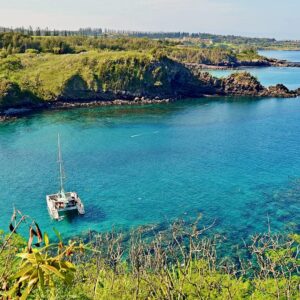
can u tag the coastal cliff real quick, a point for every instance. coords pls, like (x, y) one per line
(29, 79)
(34, 81)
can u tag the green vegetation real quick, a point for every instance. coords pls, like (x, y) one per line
(34, 69)
(211, 56)
(39, 69)
(12, 43)
(89, 75)
(182, 262)
(194, 52)
(186, 38)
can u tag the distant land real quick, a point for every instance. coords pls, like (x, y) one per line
(44, 68)
(205, 38)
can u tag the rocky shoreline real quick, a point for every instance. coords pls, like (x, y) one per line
(15, 113)
(163, 81)
(268, 62)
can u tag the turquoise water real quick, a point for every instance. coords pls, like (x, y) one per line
(272, 75)
(293, 56)
(235, 161)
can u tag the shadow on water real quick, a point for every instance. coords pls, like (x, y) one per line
(92, 214)
(70, 216)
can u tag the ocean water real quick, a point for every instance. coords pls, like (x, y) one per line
(235, 161)
(293, 56)
(272, 75)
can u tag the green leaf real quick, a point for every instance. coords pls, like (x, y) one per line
(22, 272)
(23, 278)
(38, 257)
(53, 270)
(46, 239)
(13, 290)
(33, 281)
(68, 265)
(57, 234)
(25, 255)
(41, 280)
(26, 293)
(295, 237)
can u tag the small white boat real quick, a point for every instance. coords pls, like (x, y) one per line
(63, 201)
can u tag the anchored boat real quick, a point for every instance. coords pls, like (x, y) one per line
(63, 201)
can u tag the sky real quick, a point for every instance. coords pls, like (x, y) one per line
(260, 18)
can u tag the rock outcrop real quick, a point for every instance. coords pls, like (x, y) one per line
(279, 90)
(282, 63)
(297, 92)
(243, 84)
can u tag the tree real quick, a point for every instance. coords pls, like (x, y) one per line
(38, 31)
(47, 31)
(30, 31)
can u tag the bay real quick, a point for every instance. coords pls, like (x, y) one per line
(235, 161)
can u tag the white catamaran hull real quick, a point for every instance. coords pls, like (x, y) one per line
(58, 203)
(62, 201)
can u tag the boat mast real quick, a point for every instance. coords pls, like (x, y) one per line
(61, 170)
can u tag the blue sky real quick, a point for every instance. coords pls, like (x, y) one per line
(277, 18)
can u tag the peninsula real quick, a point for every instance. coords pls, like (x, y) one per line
(42, 72)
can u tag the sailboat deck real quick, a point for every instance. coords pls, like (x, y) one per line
(57, 197)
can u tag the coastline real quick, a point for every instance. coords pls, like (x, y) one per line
(138, 80)
(19, 112)
(14, 113)
(246, 64)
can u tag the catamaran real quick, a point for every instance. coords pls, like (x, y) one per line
(63, 201)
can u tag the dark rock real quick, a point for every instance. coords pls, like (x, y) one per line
(279, 90)
(242, 84)
(297, 92)
(282, 63)
(254, 63)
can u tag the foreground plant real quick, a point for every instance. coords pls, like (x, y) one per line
(39, 269)
(180, 262)
(184, 262)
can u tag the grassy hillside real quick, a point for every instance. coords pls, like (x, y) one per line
(92, 75)
(50, 68)
(190, 51)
